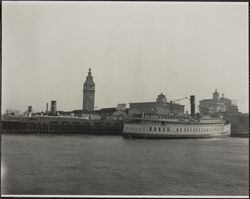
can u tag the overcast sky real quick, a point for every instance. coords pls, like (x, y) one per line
(135, 51)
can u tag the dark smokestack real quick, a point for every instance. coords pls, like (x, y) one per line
(192, 105)
(29, 109)
(53, 107)
(47, 108)
(171, 106)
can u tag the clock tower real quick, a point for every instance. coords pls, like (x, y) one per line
(88, 93)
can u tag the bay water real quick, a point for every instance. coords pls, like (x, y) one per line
(113, 165)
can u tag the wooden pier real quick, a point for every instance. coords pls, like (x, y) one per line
(61, 125)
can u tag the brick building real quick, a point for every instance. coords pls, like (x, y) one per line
(160, 106)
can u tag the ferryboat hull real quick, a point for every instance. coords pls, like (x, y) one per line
(174, 136)
(176, 130)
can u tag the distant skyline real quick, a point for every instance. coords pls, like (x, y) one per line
(136, 50)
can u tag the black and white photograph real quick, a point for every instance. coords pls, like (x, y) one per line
(125, 99)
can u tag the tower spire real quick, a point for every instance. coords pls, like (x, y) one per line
(89, 73)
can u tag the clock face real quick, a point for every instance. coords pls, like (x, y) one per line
(89, 86)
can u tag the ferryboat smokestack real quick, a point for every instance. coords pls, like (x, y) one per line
(192, 105)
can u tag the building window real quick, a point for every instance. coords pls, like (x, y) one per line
(163, 129)
(150, 128)
(167, 129)
(177, 129)
(180, 129)
(159, 128)
(155, 128)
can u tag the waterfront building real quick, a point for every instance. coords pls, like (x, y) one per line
(226, 108)
(112, 113)
(218, 106)
(88, 93)
(240, 124)
(160, 106)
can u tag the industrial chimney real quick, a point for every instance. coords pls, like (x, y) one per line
(53, 107)
(47, 108)
(192, 105)
(29, 109)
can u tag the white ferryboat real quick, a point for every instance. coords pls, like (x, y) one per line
(175, 126)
